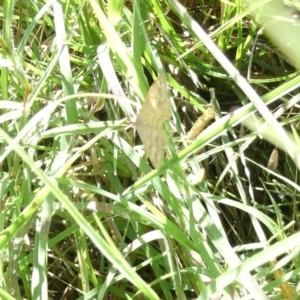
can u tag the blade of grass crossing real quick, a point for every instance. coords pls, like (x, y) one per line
(64, 63)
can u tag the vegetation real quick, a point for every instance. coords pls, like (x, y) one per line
(83, 213)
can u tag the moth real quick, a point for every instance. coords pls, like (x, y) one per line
(154, 112)
(273, 160)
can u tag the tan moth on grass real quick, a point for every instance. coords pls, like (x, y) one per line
(273, 160)
(155, 111)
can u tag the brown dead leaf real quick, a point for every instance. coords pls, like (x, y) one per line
(202, 122)
(155, 111)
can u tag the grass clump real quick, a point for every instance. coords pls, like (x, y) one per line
(84, 215)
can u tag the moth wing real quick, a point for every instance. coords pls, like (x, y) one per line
(154, 141)
(156, 108)
(154, 112)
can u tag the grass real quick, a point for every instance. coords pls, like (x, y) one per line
(83, 213)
